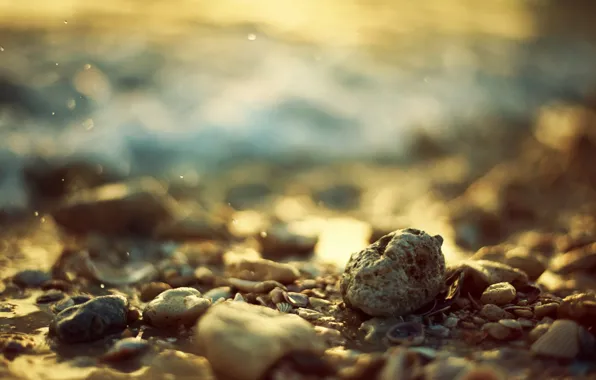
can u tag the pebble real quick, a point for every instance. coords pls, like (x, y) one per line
(319, 304)
(561, 340)
(497, 330)
(538, 331)
(579, 307)
(242, 341)
(145, 200)
(253, 269)
(524, 313)
(153, 289)
(396, 275)
(438, 331)
(222, 292)
(500, 293)
(546, 310)
(308, 314)
(280, 241)
(31, 278)
(248, 286)
(376, 328)
(494, 313)
(50, 296)
(125, 349)
(175, 307)
(451, 322)
(92, 320)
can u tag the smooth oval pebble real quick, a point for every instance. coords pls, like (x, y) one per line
(499, 294)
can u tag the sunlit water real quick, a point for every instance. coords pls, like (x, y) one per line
(186, 85)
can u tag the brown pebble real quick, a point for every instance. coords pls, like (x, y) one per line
(499, 294)
(182, 281)
(545, 310)
(537, 332)
(152, 290)
(478, 320)
(204, 275)
(524, 313)
(467, 325)
(497, 330)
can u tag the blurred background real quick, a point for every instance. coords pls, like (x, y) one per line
(185, 89)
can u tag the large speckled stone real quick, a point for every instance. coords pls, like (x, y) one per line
(241, 341)
(92, 320)
(396, 275)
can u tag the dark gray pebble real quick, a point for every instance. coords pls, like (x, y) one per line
(92, 320)
(31, 278)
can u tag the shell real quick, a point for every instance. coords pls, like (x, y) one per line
(296, 299)
(238, 298)
(284, 307)
(409, 333)
(479, 274)
(560, 341)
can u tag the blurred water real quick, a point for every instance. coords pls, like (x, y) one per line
(151, 86)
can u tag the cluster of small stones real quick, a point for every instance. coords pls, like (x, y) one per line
(252, 318)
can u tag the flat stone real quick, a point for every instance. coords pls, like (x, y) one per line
(242, 341)
(396, 275)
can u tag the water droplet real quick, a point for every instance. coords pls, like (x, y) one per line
(87, 66)
(252, 37)
(62, 179)
(57, 63)
(263, 234)
(36, 213)
(181, 177)
(43, 220)
(102, 286)
(53, 113)
(66, 21)
(1, 48)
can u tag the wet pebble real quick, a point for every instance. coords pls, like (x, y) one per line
(296, 299)
(92, 320)
(31, 278)
(175, 307)
(500, 293)
(242, 341)
(248, 286)
(396, 275)
(153, 289)
(579, 307)
(546, 310)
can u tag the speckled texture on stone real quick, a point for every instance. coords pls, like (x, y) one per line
(241, 341)
(175, 307)
(92, 320)
(396, 275)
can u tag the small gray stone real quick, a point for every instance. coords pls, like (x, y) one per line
(396, 275)
(92, 320)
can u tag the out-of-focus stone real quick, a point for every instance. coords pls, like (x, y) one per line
(137, 207)
(242, 341)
